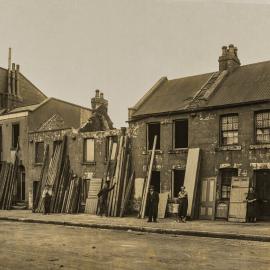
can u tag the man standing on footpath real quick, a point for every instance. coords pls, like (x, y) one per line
(102, 198)
(152, 201)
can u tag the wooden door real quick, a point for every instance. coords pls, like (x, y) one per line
(208, 198)
(238, 204)
(263, 194)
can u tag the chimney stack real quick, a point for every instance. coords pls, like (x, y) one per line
(17, 89)
(229, 59)
(99, 100)
(13, 82)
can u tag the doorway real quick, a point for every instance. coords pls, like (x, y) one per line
(178, 178)
(20, 196)
(263, 193)
(155, 180)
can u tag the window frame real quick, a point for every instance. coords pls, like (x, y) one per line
(174, 131)
(36, 160)
(221, 141)
(255, 127)
(85, 150)
(147, 135)
(228, 191)
(13, 146)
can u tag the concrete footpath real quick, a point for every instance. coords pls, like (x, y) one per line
(217, 229)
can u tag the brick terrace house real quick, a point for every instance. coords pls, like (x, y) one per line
(224, 113)
(24, 109)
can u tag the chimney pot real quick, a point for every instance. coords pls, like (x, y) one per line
(97, 93)
(18, 68)
(101, 95)
(13, 66)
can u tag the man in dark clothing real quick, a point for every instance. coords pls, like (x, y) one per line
(102, 199)
(152, 202)
(47, 203)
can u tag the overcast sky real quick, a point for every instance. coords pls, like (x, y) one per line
(69, 48)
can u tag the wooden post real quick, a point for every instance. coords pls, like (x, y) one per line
(144, 200)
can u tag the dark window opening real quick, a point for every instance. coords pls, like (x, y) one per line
(178, 182)
(111, 146)
(39, 152)
(181, 134)
(229, 130)
(15, 135)
(55, 144)
(226, 180)
(153, 130)
(262, 125)
(155, 180)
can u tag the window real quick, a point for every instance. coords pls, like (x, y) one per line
(15, 135)
(262, 125)
(111, 141)
(152, 131)
(89, 150)
(181, 133)
(226, 180)
(229, 129)
(39, 152)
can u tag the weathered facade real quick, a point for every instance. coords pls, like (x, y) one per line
(226, 114)
(86, 145)
(25, 109)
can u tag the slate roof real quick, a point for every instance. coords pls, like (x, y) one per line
(29, 92)
(248, 83)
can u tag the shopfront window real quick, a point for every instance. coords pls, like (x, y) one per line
(226, 180)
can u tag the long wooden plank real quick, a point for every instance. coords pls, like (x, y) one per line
(191, 179)
(148, 178)
(162, 205)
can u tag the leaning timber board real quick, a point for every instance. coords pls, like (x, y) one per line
(191, 178)
(163, 199)
(238, 205)
(92, 200)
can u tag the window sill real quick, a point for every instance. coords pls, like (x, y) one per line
(37, 164)
(229, 148)
(259, 146)
(157, 152)
(178, 151)
(89, 163)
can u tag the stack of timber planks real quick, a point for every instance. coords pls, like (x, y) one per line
(67, 190)
(8, 178)
(121, 177)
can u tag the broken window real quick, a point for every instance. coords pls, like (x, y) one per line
(262, 125)
(15, 135)
(39, 152)
(153, 129)
(177, 182)
(229, 129)
(181, 133)
(226, 180)
(89, 150)
(111, 147)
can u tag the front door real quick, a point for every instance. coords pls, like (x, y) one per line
(263, 193)
(208, 192)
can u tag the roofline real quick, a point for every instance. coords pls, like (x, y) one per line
(40, 91)
(143, 116)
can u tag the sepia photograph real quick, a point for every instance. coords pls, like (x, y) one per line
(135, 134)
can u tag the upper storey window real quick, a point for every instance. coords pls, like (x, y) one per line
(262, 126)
(229, 129)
